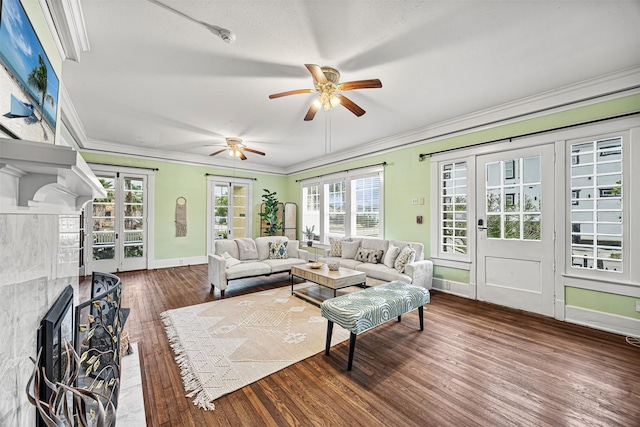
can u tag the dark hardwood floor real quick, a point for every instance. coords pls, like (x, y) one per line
(475, 364)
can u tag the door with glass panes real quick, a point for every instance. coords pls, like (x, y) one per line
(229, 211)
(118, 224)
(515, 229)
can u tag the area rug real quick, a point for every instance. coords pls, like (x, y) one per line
(224, 345)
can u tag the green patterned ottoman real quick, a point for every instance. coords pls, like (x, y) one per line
(360, 311)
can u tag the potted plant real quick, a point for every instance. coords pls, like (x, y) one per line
(308, 232)
(270, 213)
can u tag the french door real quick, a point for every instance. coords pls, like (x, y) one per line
(119, 224)
(515, 228)
(229, 210)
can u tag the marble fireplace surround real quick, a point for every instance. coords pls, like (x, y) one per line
(43, 188)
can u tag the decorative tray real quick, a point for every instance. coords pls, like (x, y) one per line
(316, 264)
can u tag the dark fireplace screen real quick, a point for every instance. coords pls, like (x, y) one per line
(99, 324)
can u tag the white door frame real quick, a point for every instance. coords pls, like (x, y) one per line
(212, 180)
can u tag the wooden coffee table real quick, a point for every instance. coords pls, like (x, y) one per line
(329, 282)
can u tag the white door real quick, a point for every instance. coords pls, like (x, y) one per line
(119, 223)
(229, 211)
(515, 229)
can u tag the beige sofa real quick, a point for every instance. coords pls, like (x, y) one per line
(241, 258)
(381, 266)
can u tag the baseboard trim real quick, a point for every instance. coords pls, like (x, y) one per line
(451, 287)
(177, 262)
(603, 321)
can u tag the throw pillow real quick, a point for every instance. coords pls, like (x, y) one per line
(336, 247)
(278, 250)
(406, 256)
(391, 255)
(375, 256)
(247, 249)
(349, 249)
(231, 261)
(362, 255)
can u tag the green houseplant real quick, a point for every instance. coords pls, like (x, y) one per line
(269, 213)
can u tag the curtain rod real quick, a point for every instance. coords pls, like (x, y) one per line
(227, 176)
(422, 156)
(346, 170)
(123, 166)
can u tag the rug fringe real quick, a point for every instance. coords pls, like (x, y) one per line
(191, 383)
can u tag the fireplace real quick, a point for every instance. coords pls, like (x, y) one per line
(56, 329)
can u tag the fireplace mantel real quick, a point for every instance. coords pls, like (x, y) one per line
(44, 178)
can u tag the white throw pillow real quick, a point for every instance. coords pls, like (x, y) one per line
(406, 256)
(231, 261)
(391, 255)
(350, 249)
(336, 247)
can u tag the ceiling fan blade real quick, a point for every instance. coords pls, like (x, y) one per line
(350, 105)
(361, 84)
(242, 156)
(291, 92)
(218, 152)
(253, 151)
(317, 73)
(312, 112)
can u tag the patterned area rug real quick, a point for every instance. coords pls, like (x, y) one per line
(224, 345)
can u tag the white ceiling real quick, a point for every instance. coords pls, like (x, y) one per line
(156, 83)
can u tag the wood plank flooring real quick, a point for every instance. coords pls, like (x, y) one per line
(475, 364)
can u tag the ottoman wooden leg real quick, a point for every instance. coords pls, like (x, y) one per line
(352, 347)
(329, 331)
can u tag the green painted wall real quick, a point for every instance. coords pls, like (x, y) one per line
(602, 301)
(174, 180)
(406, 178)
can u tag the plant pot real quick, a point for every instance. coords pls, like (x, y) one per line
(309, 243)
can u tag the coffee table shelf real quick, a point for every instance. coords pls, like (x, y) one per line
(330, 283)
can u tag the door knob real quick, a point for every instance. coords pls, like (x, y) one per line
(481, 226)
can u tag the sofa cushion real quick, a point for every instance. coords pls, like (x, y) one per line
(344, 262)
(248, 269)
(419, 247)
(280, 265)
(381, 272)
(231, 261)
(278, 250)
(230, 246)
(391, 255)
(375, 244)
(247, 249)
(407, 255)
(292, 249)
(350, 249)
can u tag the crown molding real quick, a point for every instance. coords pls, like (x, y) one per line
(66, 23)
(71, 119)
(589, 92)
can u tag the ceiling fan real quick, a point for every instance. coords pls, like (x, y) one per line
(326, 82)
(236, 148)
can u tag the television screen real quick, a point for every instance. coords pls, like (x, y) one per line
(28, 84)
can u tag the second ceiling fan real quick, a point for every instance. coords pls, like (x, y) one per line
(236, 148)
(326, 81)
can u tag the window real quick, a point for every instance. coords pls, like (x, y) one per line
(513, 194)
(344, 204)
(596, 205)
(453, 205)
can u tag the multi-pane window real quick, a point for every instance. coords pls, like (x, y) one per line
(343, 205)
(366, 193)
(453, 196)
(103, 217)
(513, 196)
(133, 217)
(596, 205)
(336, 202)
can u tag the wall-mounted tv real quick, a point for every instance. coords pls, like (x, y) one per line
(28, 84)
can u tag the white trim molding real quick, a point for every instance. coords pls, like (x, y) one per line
(66, 23)
(455, 288)
(603, 321)
(177, 262)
